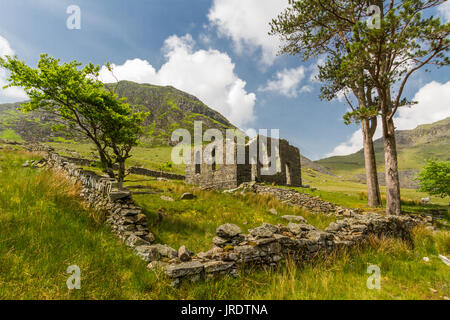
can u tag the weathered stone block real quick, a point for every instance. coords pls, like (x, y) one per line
(295, 219)
(265, 231)
(184, 254)
(247, 253)
(147, 253)
(134, 241)
(184, 269)
(220, 242)
(228, 231)
(216, 266)
(165, 251)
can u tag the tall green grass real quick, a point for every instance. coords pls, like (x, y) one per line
(44, 228)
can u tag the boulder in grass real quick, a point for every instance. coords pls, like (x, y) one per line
(187, 196)
(167, 198)
(297, 219)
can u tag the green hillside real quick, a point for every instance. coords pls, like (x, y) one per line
(169, 109)
(415, 147)
(46, 228)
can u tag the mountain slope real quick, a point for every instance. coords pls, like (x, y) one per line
(415, 147)
(309, 164)
(169, 109)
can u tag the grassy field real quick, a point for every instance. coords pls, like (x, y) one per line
(193, 222)
(9, 134)
(353, 194)
(415, 147)
(45, 228)
(331, 188)
(150, 158)
(411, 158)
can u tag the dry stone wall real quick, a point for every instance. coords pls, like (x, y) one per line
(231, 249)
(269, 244)
(88, 162)
(156, 174)
(303, 200)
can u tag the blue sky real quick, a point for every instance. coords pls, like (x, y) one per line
(218, 50)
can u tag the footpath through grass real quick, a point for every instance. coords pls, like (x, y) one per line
(44, 228)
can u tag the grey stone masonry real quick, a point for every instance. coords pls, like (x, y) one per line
(224, 175)
(154, 173)
(295, 198)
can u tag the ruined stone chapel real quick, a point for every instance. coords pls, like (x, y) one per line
(264, 159)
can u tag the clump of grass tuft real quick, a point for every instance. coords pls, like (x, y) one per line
(363, 195)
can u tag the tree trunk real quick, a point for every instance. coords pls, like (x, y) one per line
(121, 172)
(106, 163)
(393, 202)
(373, 188)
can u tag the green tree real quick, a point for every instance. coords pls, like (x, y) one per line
(313, 28)
(384, 54)
(81, 103)
(407, 40)
(435, 178)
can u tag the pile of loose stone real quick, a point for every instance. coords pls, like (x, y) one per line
(231, 250)
(306, 201)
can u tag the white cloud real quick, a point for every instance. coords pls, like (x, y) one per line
(136, 70)
(5, 48)
(247, 24)
(14, 93)
(207, 74)
(306, 89)
(354, 144)
(433, 105)
(287, 82)
(444, 11)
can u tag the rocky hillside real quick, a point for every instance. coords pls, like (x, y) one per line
(169, 109)
(309, 164)
(430, 141)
